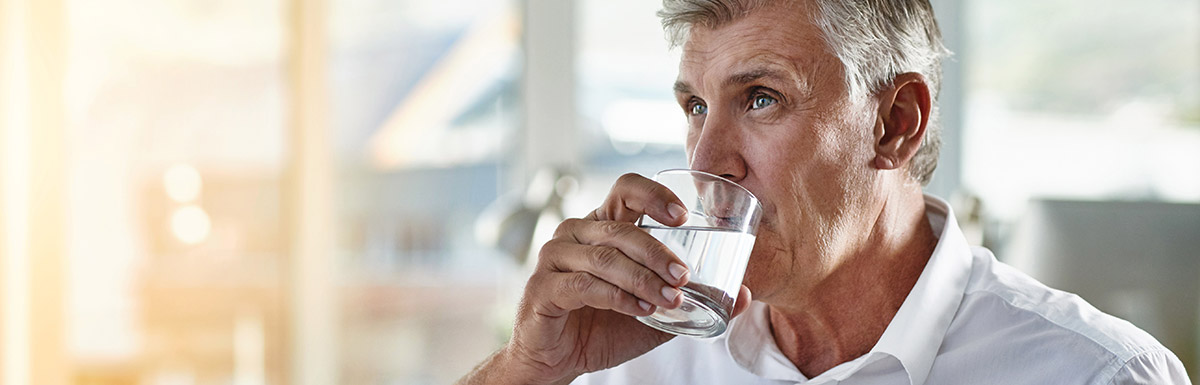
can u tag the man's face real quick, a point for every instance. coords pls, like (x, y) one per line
(767, 107)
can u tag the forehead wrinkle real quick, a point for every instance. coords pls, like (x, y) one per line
(764, 65)
(771, 65)
(752, 75)
(747, 51)
(796, 47)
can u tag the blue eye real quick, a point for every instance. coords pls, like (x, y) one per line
(699, 109)
(762, 101)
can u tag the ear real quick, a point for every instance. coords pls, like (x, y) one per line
(903, 115)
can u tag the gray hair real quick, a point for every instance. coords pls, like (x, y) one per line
(875, 40)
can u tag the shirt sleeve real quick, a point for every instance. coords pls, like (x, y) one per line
(1152, 367)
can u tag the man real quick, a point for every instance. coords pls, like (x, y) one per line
(826, 111)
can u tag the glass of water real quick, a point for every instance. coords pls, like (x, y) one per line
(715, 243)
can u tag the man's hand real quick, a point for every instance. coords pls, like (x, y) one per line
(576, 315)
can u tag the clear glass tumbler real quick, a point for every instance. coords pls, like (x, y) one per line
(715, 243)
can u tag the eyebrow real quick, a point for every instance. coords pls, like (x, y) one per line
(753, 75)
(682, 87)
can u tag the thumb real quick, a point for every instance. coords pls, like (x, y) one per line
(743, 301)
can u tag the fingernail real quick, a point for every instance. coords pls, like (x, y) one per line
(670, 293)
(676, 210)
(677, 270)
(644, 305)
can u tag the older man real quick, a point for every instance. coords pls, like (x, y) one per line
(826, 110)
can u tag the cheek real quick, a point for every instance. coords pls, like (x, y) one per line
(785, 151)
(809, 171)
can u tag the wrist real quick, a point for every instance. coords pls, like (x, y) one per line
(520, 368)
(509, 367)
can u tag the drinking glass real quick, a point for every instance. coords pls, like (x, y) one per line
(715, 243)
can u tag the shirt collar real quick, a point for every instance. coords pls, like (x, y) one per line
(912, 337)
(917, 330)
(752, 346)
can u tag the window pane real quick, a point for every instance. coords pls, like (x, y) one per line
(176, 146)
(1082, 99)
(424, 114)
(630, 119)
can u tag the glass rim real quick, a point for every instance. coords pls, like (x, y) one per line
(711, 175)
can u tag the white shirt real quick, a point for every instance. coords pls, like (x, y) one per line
(968, 320)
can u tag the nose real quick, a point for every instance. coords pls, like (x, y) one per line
(717, 149)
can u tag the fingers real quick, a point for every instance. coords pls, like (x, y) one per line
(634, 195)
(615, 267)
(574, 290)
(743, 301)
(606, 262)
(626, 238)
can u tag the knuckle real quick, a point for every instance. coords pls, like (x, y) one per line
(577, 283)
(566, 227)
(645, 281)
(653, 247)
(638, 185)
(534, 285)
(614, 295)
(536, 300)
(604, 257)
(627, 178)
(548, 251)
(616, 229)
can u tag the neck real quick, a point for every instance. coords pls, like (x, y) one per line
(845, 314)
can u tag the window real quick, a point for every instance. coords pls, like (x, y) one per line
(424, 115)
(1074, 99)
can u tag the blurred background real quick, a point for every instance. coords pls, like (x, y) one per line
(346, 192)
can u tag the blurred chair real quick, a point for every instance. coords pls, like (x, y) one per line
(1136, 260)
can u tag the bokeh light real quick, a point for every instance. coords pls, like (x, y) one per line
(182, 183)
(190, 224)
